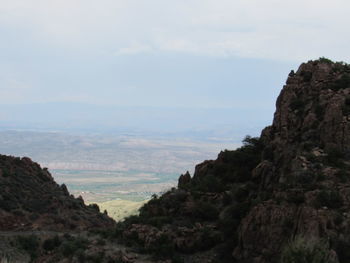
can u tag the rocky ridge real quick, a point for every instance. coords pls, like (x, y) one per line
(284, 193)
(30, 199)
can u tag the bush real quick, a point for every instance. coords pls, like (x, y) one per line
(69, 247)
(342, 175)
(240, 193)
(6, 172)
(238, 164)
(346, 107)
(210, 183)
(94, 207)
(296, 104)
(334, 158)
(296, 197)
(325, 60)
(342, 83)
(163, 247)
(209, 238)
(159, 221)
(30, 244)
(52, 243)
(329, 198)
(206, 211)
(319, 111)
(301, 250)
(342, 247)
(307, 76)
(232, 215)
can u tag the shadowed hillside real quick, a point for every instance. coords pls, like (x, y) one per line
(30, 199)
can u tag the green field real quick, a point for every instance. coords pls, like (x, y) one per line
(120, 193)
(102, 186)
(119, 209)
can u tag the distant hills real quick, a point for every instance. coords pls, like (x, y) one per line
(115, 152)
(195, 123)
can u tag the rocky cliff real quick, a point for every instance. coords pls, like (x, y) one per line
(31, 200)
(281, 196)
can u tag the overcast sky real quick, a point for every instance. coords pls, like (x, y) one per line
(183, 53)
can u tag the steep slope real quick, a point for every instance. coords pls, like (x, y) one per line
(31, 200)
(282, 195)
(305, 169)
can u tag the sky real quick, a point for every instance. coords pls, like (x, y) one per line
(157, 53)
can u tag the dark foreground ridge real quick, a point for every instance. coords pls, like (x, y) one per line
(31, 200)
(281, 198)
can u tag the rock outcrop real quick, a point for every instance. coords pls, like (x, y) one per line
(305, 167)
(289, 187)
(31, 200)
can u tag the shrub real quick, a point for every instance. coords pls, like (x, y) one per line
(301, 250)
(288, 224)
(6, 172)
(342, 175)
(338, 218)
(342, 83)
(69, 247)
(319, 111)
(238, 211)
(296, 104)
(307, 76)
(346, 107)
(296, 197)
(206, 211)
(304, 178)
(325, 60)
(52, 243)
(94, 258)
(163, 247)
(238, 164)
(30, 244)
(209, 238)
(329, 198)
(211, 183)
(334, 158)
(159, 221)
(342, 247)
(268, 153)
(94, 207)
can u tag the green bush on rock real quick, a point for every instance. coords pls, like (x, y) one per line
(302, 250)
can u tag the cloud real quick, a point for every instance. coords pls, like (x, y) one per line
(133, 49)
(268, 29)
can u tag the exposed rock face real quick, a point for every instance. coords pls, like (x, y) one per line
(292, 182)
(184, 180)
(31, 200)
(306, 153)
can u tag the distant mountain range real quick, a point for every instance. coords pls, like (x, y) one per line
(233, 123)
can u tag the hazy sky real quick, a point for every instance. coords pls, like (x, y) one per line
(183, 53)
